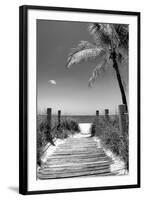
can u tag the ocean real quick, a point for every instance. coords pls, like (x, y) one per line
(77, 118)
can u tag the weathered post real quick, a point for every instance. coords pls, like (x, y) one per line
(122, 118)
(107, 113)
(97, 113)
(49, 117)
(59, 117)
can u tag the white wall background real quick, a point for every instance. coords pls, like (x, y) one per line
(9, 101)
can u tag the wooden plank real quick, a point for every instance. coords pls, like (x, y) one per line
(77, 157)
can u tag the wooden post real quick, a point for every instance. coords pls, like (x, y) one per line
(97, 113)
(122, 118)
(106, 113)
(49, 117)
(59, 117)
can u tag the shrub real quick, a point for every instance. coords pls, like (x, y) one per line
(107, 129)
(70, 125)
(46, 135)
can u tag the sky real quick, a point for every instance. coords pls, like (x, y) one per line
(69, 91)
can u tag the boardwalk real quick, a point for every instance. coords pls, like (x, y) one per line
(76, 157)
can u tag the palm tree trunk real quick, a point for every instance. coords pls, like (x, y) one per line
(115, 66)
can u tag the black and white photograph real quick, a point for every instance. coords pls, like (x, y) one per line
(81, 90)
(82, 99)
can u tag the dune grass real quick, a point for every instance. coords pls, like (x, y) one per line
(107, 130)
(46, 135)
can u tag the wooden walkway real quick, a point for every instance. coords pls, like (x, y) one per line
(76, 157)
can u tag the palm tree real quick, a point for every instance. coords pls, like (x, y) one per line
(110, 46)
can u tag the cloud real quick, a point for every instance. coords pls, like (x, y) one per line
(53, 82)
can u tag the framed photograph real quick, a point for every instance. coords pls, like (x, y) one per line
(79, 100)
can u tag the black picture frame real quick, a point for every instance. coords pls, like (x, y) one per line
(23, 95)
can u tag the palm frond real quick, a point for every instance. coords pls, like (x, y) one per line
(83, 52)
(97, 71)
(95, 28)
(115, 39)
(110, 34)
(122, 55)
(120, 58)
(99, 33)
(123, 32)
